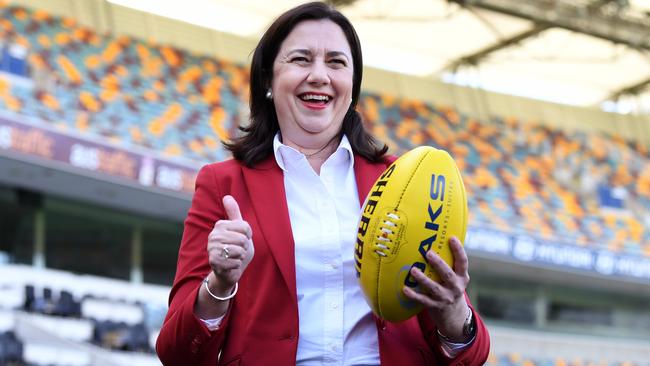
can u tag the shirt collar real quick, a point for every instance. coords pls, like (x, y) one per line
(284, 154)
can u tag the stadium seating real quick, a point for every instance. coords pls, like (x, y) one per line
(114, 322)
(137, 93)
(126, 90)
(11, 349)
(45, 308)
(515, 359)
(517, 171)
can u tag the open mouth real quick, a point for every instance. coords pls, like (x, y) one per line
(312, 98)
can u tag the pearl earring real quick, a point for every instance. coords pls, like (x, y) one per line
(269, 94)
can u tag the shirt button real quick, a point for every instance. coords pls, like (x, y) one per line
(335, 305)
(334, 265)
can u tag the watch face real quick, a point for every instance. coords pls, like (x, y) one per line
(469, 326)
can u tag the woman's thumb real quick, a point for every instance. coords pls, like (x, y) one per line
(232, 208)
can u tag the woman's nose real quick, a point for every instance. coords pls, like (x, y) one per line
(318, 74)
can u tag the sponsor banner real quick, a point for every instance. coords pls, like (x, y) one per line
(531, 250)
(44, 143)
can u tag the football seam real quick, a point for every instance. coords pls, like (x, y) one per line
(464, 199)
(378, 271)
(417, 166)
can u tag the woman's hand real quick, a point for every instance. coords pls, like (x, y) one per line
(230, 248)
(445, 301)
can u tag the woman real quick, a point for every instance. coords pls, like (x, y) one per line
(265, 270)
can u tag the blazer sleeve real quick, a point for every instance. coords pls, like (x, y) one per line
(184, 338)
(474, 355)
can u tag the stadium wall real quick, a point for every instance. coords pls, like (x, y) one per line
(104, 16)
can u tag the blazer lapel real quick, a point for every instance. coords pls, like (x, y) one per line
(265, 183)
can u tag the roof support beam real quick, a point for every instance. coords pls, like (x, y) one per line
(633, 89)
(476, 57)
(587, 19)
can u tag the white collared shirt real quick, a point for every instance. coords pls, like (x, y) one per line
(336, 324)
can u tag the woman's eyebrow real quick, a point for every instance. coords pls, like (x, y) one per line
(336, 54)
(308, 52)
(303, 51)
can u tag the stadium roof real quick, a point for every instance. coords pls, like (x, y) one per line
(592, 53)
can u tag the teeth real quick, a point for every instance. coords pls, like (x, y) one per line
(314, 97)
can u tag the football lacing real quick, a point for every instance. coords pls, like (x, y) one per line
(384, 240)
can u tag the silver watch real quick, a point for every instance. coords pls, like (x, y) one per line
(469, 326)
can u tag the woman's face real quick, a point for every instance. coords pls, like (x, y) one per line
(312, 83)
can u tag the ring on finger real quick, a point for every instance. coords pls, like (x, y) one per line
(225, 252)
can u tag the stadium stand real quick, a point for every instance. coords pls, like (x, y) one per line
(521, 177)
(11, 347)
(515, 359)
(505, 163)
(44, 309)
(119, 88)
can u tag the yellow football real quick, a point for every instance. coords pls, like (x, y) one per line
(416, 205)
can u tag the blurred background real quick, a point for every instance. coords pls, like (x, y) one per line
(108, 108)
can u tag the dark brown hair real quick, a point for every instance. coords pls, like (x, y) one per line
(256, 142)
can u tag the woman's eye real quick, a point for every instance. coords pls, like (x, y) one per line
(299, 59)
(338, 61)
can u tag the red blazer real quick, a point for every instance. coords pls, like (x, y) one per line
(261, 325)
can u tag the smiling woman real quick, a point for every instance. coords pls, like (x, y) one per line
(266, 272)
(256, 143)
(312, 88)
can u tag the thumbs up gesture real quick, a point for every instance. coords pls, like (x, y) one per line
(230, 248)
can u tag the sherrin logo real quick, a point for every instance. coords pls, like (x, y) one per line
(369, 209)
